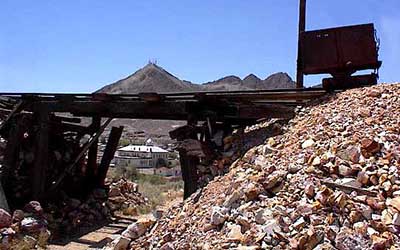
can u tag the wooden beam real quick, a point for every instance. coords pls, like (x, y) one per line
(85, 148)
(41, 152)
(17, 108)
(189, 162)
(130, 109)
(65, 119)
(108, 155)
(222, 103)
(14, 138)
(189, 172)
(92, 154)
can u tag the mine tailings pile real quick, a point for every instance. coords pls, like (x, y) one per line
(330, 181)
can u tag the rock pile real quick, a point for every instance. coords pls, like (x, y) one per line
(134, 231)
(71, 214)
(233, 146)
(331, 181)
(125, 197)
(25, 229)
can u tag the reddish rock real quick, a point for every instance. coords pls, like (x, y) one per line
(351, 153)
(354, 154)
(369, 147)
(114, 191)
(374, 93)
(34, 207)
(5, 218)
(18, 215)
(362, 177)
(309, 190)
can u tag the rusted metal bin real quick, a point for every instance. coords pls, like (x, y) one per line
(340, 50)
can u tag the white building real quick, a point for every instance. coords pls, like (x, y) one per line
(141, 156)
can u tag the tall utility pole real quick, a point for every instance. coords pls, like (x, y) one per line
(302, 28)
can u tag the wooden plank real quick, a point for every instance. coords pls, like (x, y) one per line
(41, 152)
(174, 95)
(265, 111)
(108, 155)
(92, 154)
(65, 119)
(120, 109)
(17, 108)
(14, 137)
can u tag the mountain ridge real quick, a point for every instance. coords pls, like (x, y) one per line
(148, 79)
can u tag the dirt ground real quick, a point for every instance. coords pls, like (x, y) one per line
(101, 235)
(96, 239)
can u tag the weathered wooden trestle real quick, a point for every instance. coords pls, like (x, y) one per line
(216, 111)
(31, 125)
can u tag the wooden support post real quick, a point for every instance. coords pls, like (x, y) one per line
(13, 140)
(14, 137)
(189, 172)
(11, 151)
(188, 162)
(108, 155)
(302, 28)
(92, 154)
(41, 152)
(85, 148)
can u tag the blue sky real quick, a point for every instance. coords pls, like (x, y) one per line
(79, 46)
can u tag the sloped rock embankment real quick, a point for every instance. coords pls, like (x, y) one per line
(331, 181)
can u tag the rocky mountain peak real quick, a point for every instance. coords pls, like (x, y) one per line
(152, 67)
(153, 78)
(279, 80)
(251, 77)
(230, 79)
(279, 76)
(150, 78)
(252, 81)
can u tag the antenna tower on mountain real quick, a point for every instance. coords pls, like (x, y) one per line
(153, 61)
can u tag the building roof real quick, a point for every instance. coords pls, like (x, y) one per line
(142, 148)
(130, 157)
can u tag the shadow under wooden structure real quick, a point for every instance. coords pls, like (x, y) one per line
(34, 119)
